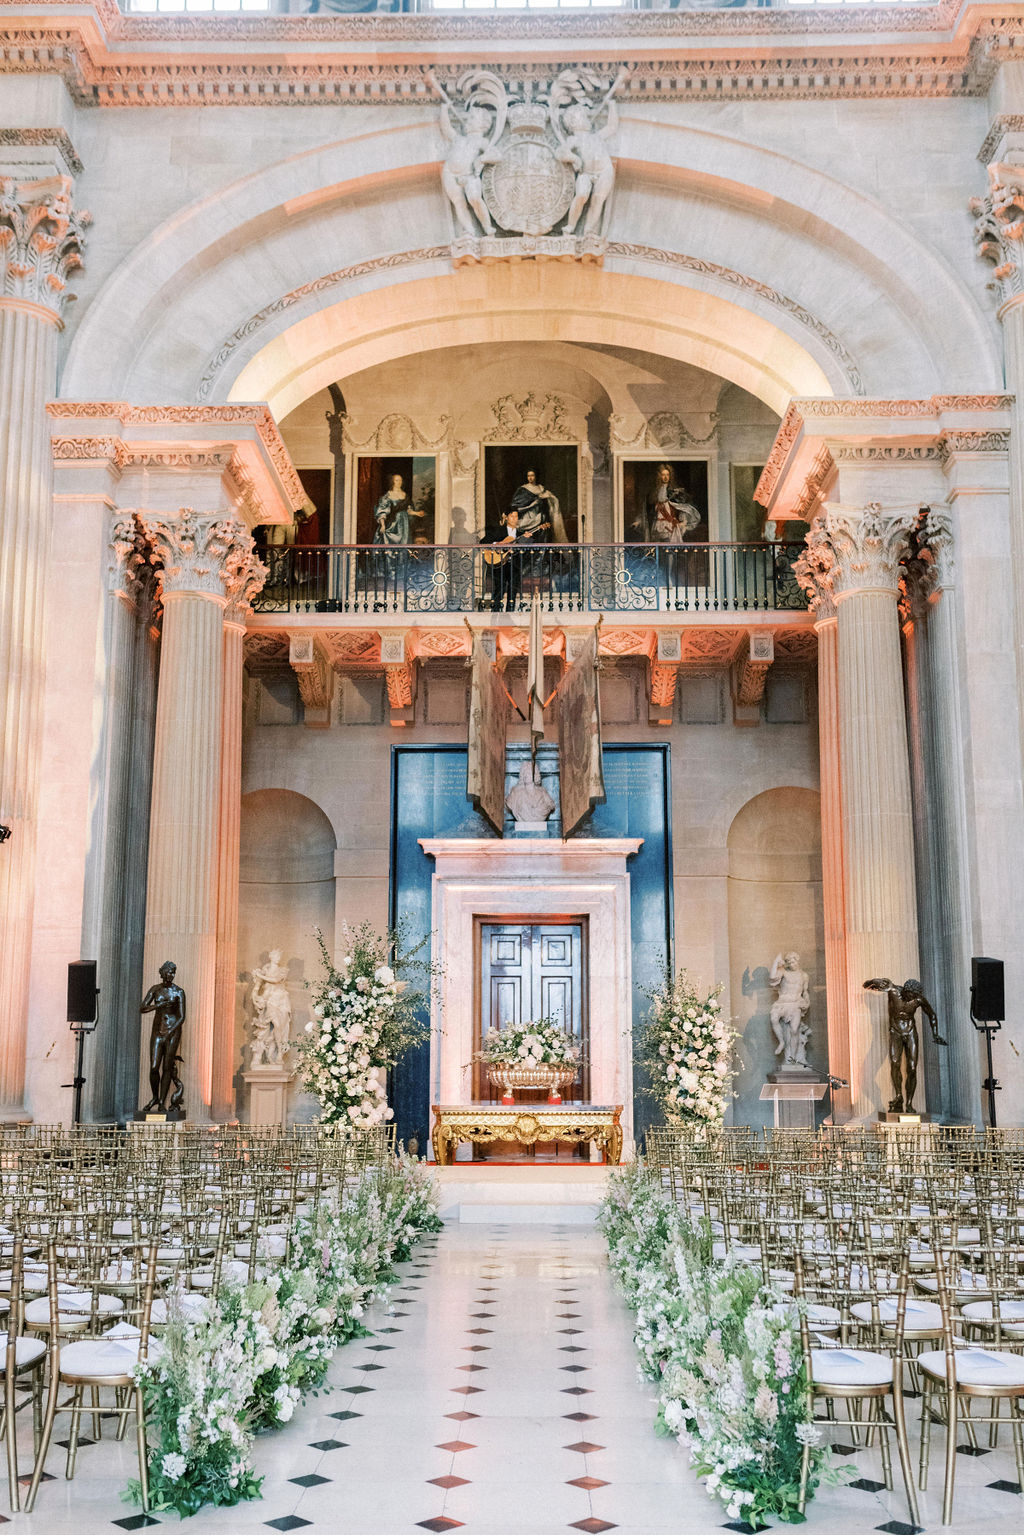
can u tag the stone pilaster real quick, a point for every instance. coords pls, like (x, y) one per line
(814, 570)
(249, 582)
(40, 244)
(203, 558)
(999, 240)
(866, 545)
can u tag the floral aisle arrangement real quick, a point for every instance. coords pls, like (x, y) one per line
(540, 1042)
(214, 1379)
(724, 1349)
(364, 1020)
(687, 1047)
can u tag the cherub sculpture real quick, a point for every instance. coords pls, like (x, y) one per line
(904, 1002)
(471, 137)
(584, 147)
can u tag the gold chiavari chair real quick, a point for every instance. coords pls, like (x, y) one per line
(104, 1361)
(23, 1362)
(836, 1371)
(959, 1374)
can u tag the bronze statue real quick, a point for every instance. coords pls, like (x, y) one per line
(904, 1002)
(167, 1004)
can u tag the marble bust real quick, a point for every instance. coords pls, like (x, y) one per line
(528, 800)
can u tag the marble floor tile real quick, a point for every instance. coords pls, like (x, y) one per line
(522, 1445)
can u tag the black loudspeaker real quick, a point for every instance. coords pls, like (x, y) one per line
(988, 999)
(82, 991)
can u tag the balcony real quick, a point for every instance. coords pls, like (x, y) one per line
(569, 578)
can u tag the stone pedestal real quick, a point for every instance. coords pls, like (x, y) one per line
(268, 1094)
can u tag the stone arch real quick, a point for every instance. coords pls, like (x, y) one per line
(286, 891)
(737, 258)
(775, 904)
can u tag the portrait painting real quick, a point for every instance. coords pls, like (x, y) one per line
(540, 481)
(665, 501)
(395, 499)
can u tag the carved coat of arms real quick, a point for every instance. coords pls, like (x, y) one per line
(528, 170)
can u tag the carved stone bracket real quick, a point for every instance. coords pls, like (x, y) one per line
(41, 240)
(315, 677)
(753, 667)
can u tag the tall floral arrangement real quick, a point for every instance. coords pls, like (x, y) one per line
(364, 1020)
(687, 1047)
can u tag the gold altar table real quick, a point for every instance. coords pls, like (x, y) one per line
(572, 1123)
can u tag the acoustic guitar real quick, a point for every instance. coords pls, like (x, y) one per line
(495, 554)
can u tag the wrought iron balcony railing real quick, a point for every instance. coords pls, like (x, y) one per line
(569, 578)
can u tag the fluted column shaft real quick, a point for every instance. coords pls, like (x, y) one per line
(832, 877)
(181, 890)
(28, 363)
(229, 819)
(878, 834)
(1012, 316)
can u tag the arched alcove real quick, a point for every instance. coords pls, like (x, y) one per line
(774, 899)
(286, 892)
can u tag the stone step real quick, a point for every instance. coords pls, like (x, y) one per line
(521, 1195)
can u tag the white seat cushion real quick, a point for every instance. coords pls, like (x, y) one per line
(26, 1352)
(823, 1318)
(192, 1308)
(849, 1367)
(976, 1367)
(921, 1315)
(99, 1357)
(74, 1308)
(982, 1311)
(742, 1252)
(967, 1283)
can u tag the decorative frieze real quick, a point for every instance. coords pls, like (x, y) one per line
(41, 240)
(54, 139)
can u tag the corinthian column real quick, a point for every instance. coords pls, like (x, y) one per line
(866, 545)
(814, 570)
(202, 558)
(40, 243)
(250, 581)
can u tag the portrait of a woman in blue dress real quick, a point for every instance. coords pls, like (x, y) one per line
(391, 514)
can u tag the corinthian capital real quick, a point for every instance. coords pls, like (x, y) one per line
(867, 544)
(201, 552)
(41, 240)
(999, 227)
(815, 572)
(248, 580)
(131, 557)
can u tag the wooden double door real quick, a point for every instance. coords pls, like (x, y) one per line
(535, 970)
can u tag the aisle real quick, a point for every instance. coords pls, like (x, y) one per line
(498, 1394)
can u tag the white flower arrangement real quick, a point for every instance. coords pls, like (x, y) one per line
(245, 1364)
(537, 1042)
(364, 1019)
(687, 1047)
(725, 1350)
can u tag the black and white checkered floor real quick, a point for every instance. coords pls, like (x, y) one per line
(498, 1394)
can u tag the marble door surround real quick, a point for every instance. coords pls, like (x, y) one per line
(517, 879)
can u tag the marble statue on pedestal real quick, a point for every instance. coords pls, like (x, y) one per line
(788, 1009)
(272, 1013)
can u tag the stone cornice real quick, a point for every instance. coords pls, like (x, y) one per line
(178, 441)
(43, 138)
(110, 59)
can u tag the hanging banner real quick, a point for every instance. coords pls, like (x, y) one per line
(580, 770)
(488, 726)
